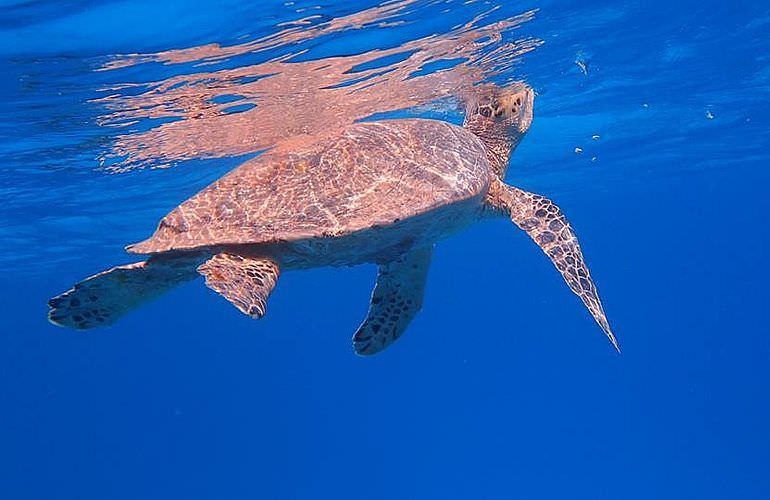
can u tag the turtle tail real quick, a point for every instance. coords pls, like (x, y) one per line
(103, 298)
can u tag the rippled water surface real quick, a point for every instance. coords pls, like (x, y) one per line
(650, 130)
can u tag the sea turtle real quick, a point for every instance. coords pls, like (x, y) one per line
(379, 192)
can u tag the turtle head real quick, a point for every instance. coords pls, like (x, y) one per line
(500, 117)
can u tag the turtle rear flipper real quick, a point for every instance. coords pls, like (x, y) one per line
(103, 298)
(245, 281)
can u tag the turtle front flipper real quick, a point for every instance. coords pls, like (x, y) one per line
(544, 222)
(396, 299)
(245, 281)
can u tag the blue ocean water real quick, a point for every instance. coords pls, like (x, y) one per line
(651, 132)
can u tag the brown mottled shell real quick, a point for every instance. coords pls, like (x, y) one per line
(370, 174)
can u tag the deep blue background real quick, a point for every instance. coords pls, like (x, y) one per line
(503, 387)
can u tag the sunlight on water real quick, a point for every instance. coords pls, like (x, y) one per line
(295, 97)
(113, 90)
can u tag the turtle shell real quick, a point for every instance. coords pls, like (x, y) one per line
(369, 174)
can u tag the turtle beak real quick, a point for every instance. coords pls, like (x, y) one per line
(527, 96)
(518, 103)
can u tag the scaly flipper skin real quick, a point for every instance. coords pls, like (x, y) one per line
(544, 222)
(245, 281)
(103, 298)
(396, 299)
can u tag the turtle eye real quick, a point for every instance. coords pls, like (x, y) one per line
(485, 112)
